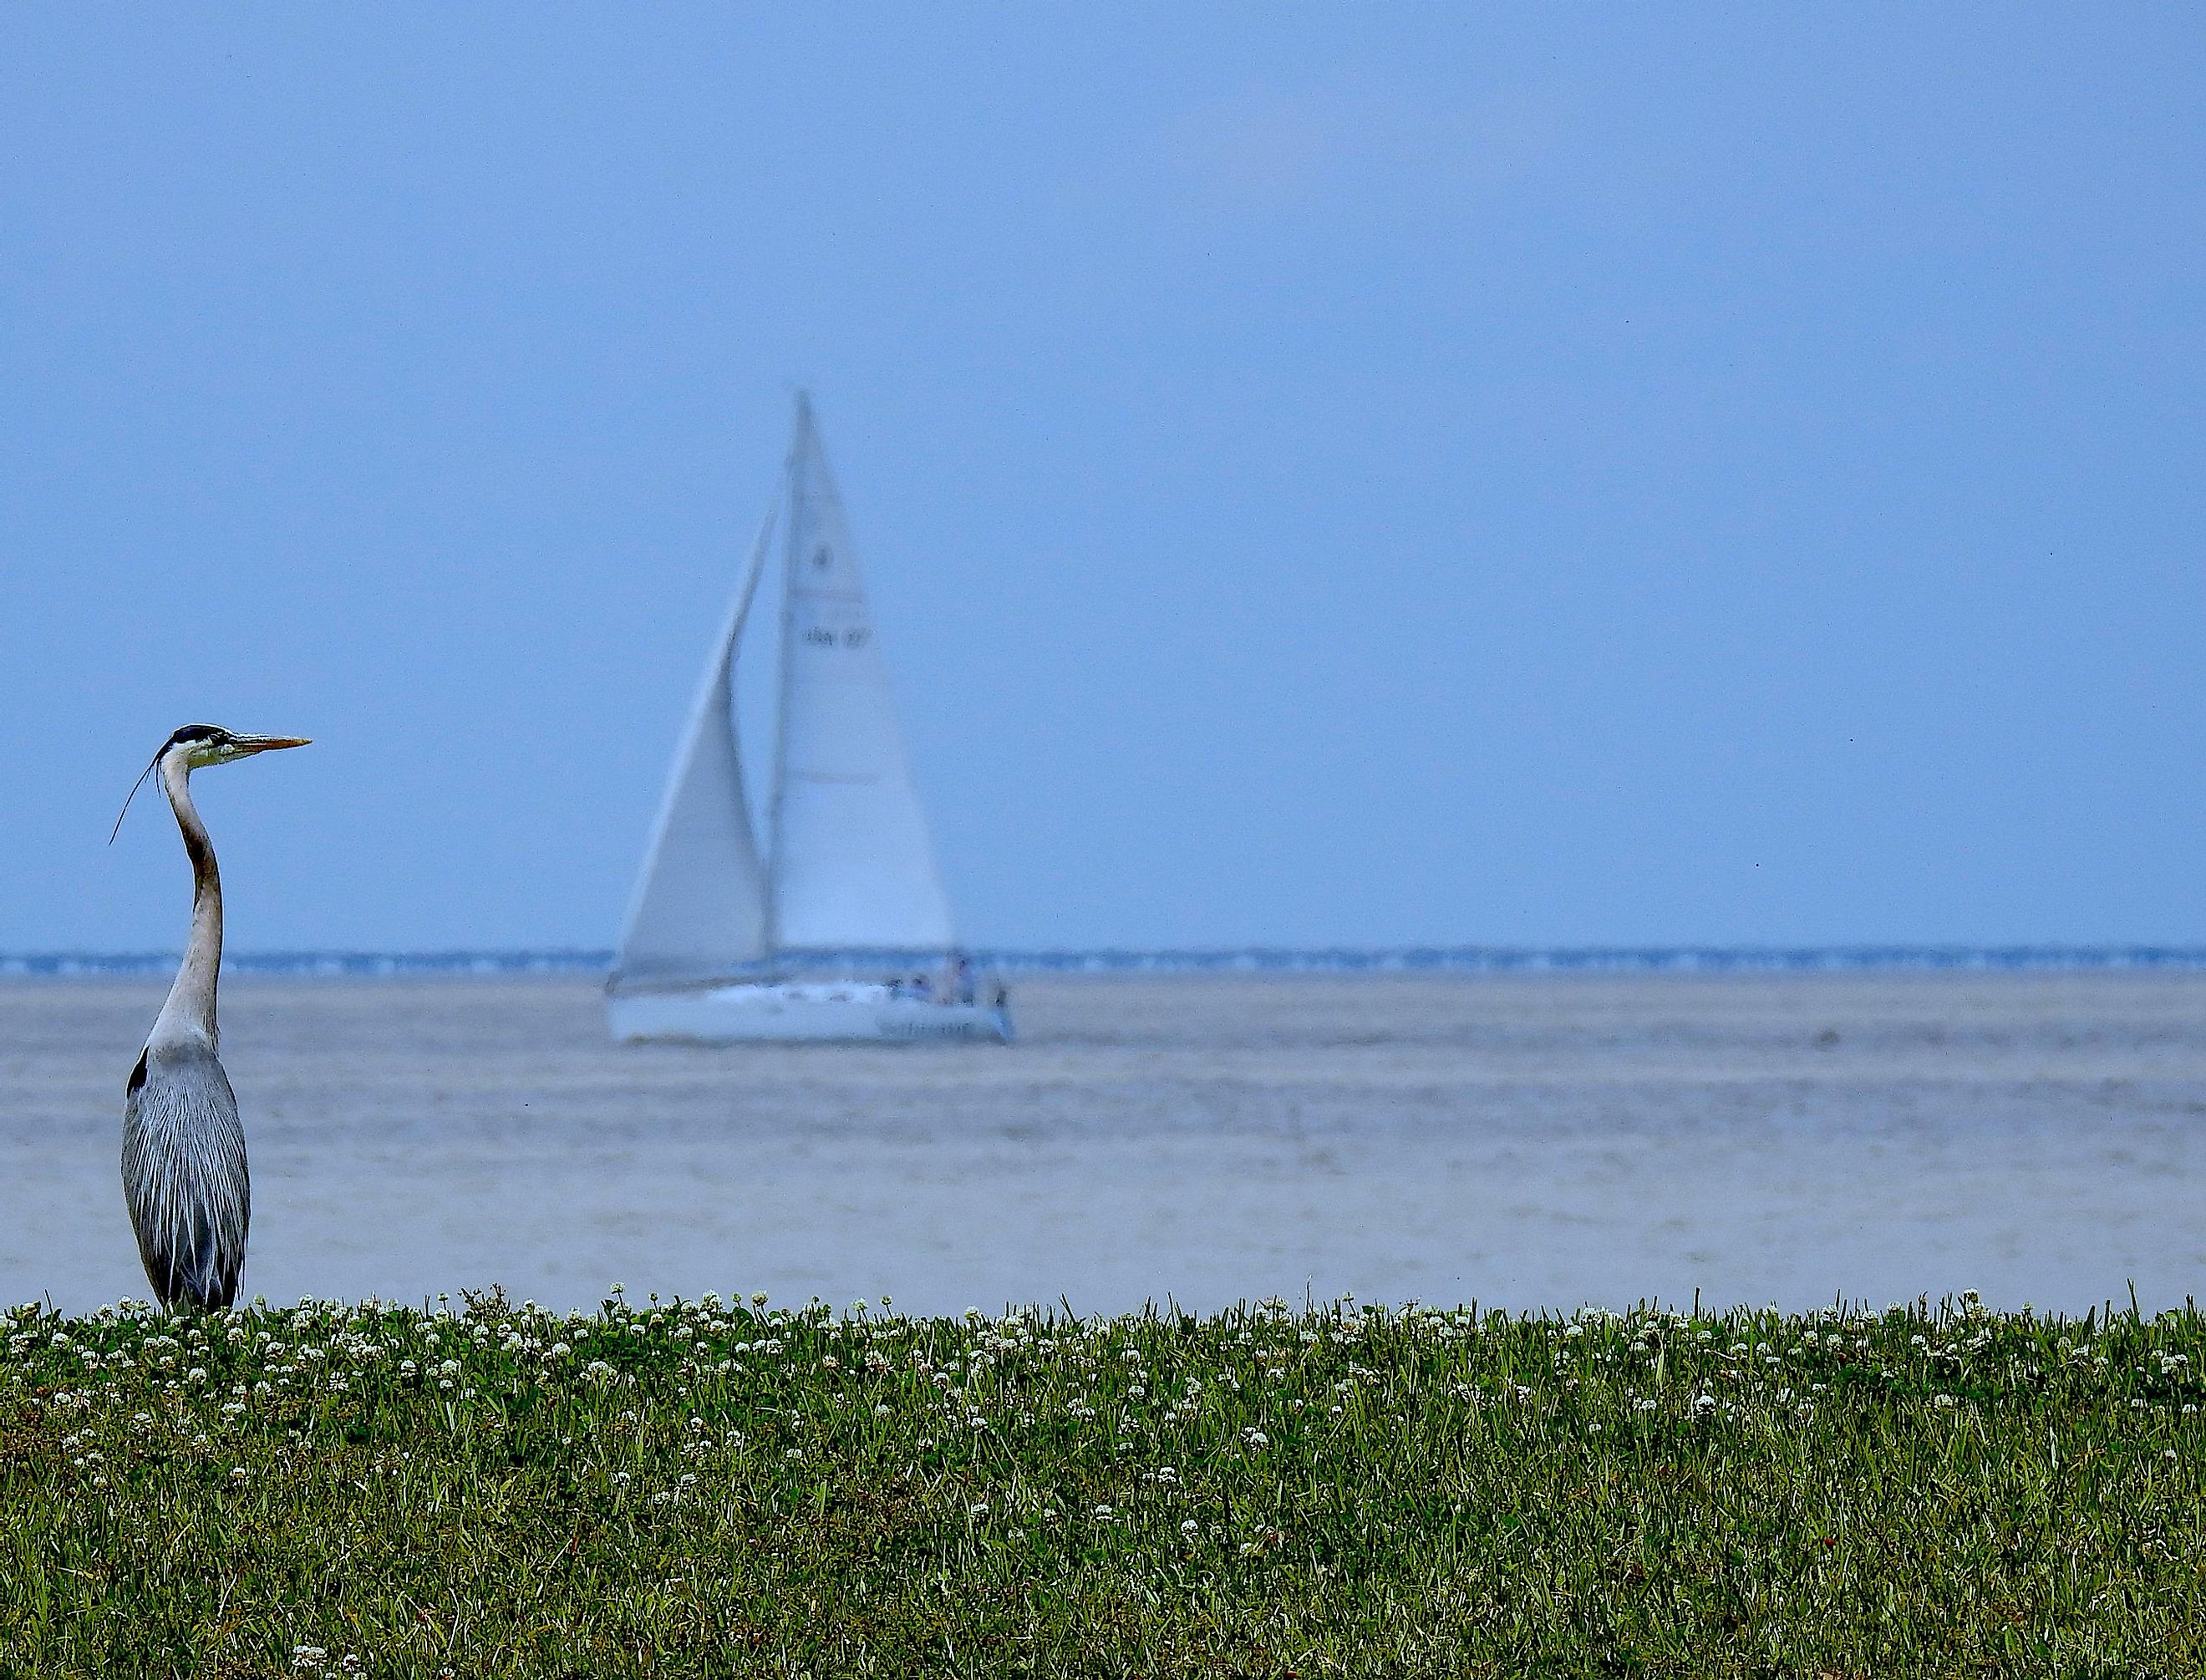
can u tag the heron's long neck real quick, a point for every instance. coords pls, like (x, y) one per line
(189, 1011)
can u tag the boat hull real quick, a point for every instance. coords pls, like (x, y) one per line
(800, 1014)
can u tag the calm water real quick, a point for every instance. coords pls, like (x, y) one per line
(1531, 1141)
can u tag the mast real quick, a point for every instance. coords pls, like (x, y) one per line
(792, 498)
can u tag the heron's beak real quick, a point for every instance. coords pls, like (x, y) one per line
(248, 744)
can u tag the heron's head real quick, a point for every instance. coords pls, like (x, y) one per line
(201, 745)
(205, 745)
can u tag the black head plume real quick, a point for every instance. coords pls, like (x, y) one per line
(131, 794)
(190, 732)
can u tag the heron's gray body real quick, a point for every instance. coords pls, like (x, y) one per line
(184, 1174)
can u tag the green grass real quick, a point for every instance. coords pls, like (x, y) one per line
(712, 1488)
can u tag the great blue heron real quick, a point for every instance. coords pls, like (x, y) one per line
(183, 1147)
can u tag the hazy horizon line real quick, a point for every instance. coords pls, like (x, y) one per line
(1253, 959)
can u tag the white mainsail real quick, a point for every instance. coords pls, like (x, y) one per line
(853, 865)
(700, 910)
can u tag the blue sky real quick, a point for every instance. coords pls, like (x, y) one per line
(1357, 474)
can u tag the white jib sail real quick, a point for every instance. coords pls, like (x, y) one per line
(853, 865)
(700, 910)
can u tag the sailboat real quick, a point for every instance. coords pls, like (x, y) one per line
(841, 930)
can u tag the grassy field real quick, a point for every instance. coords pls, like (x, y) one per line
(714, 1488)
